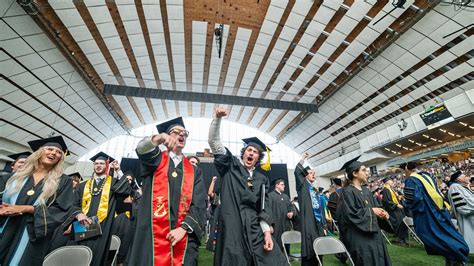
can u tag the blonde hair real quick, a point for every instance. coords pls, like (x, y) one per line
(51, 180)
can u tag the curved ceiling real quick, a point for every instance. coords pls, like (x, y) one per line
(360, 75)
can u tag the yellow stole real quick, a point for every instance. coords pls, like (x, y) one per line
(432, 192)
(104, 198)
(392, 194)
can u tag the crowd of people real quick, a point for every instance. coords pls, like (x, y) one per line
(162, 221)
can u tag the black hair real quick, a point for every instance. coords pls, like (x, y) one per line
(195, 157)
(350, 176)
(278, 181)
(261, 154)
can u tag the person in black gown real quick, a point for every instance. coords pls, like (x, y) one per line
(282, 211)
(19, 160)
(360, 212)
(311, 210)
(214, 200)
(244, 235)
(37, 199)
(391, 204)
(98, 197)
(172, 213)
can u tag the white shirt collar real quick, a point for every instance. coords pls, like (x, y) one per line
(176, 158)
(251, 170)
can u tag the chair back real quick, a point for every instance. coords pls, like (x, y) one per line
(408, 221)
(115, 245)
(291, 237)
(69, 255)
(329, 245)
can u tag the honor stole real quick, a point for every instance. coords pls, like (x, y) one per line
(104, 198)
(164, 253)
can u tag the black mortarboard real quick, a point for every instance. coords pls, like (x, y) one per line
(56, 141)
(256, 142)
(20, 155)
(337, 181)
(165, 127)
(76, 174)
(320, 189)
(102, 156)
(408, 166)
(306, 170)
(351, 165)
(385, 179)
(455, 175)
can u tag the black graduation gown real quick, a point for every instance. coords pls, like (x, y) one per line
(3, 182)
(100, 244)
(240, 239)
(310, 227)
(280, 206)
(396, 215)
(141, 252)
(214, 220)
(39, 226)
(362, 236)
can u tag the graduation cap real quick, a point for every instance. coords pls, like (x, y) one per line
(385, 179)
(337, 181)
(20, 155)
(320, 189)
(455, 176)
(351, 165)
(306, 170)
(408, 166)
(76, 174)
(257, 143)
(165, 127)
(102, 156)
(56, 141)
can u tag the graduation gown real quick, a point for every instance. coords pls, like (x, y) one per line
(142, 251)
(432, 225)
(396, 215)
(462, 200)
(362, 236)
(100, 244)
(280, 206)
(240, 238)
(3, 182)
(310, 227)
(25, 239)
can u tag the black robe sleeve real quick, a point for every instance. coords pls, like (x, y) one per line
(299, 176)
(222, 162)
(357, 214)
(149, 161)
(196, 217)
(121, 187)
(46, 218)
(387, 202)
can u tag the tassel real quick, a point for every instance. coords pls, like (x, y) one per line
(266, 166)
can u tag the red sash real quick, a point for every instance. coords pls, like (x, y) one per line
(164, 253)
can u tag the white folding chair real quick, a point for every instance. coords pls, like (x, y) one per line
(326, 245)
(386, 238)
(115, 245)
(69, 255)
(408, 221)
(291, 237)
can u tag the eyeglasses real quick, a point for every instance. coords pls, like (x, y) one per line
(179, 131)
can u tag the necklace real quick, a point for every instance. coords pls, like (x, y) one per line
(174, 174)
(31, 192)
(97, 191)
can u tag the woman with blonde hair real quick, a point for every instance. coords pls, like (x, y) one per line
(36, 200)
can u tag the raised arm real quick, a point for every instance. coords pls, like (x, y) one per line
(214, 132)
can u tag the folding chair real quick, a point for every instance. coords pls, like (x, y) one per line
(115, 246)
(386, 238)
(326, 245)
(291, 237)
(69, 255)
(408, 221)
(455, 223)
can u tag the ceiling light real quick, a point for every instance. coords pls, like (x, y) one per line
(458, 136)
(419, 144)
(411, 141)
(433, 139)
(440, 141)
(452, 134)
(405, 148)
(471, 127)
(462, 123)
(411, 149)
(424, 145)
(398, 145)
(426, 136)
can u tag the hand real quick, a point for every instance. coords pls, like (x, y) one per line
(305, 155)
(83, 219)
(68, 231)
(214, 178)
(379, 212)
(400, 206)
(268, 241)
(176, 235)
(115, 165)
(289, 215)
(168, 141)
(220, 112)
(12, 210)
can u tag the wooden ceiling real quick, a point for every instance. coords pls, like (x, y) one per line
(361, 76)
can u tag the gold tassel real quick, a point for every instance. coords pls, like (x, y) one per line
(266, 166)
